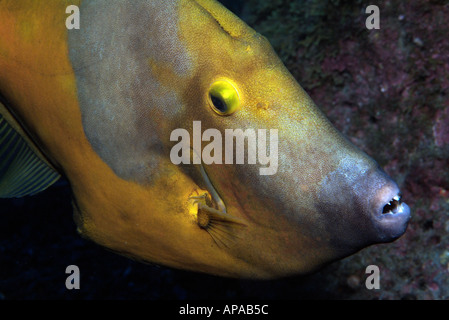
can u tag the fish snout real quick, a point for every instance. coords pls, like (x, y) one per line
(391, 214)
(365, 205)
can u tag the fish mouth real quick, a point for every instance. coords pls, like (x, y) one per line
(392, 214)
(394, 206)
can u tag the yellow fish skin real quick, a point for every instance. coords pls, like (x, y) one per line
(102, 102)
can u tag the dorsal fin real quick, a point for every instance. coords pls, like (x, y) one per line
(23, 168)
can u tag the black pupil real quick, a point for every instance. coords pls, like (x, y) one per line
(218, 103)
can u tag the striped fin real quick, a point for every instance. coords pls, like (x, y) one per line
(23, 168)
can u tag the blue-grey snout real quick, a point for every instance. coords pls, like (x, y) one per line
(365, 205)
(391, 214)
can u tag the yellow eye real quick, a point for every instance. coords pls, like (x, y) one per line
(223, 97)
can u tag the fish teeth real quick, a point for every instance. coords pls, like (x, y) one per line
(397, 198)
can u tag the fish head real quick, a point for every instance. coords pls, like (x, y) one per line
(295, 196)
(305, 193)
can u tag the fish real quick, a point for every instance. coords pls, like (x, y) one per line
(131, 109)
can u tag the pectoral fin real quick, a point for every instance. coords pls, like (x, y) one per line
(210, 210)
(23, 168)
(221, 226)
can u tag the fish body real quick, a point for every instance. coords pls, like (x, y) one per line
(101, 104)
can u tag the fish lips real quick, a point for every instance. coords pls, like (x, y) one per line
(390, 215)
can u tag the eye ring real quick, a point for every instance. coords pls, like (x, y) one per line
(223, 97)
